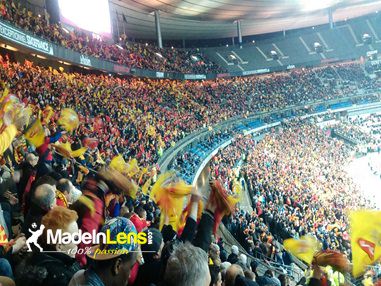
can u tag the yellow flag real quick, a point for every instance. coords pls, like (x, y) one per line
(65, 150)
(118, 163)
(79, 152)
(68, 119)
(303, 248)
(365, 239)
(132, 167)
(35, 134)
(146, 186)
(46, 114)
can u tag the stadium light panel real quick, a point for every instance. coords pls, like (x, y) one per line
(8, 47)
(316, 5)
(90, 15)
(65, 63)
(39, 56)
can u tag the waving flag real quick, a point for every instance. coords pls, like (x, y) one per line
(35, 134)
(46, 114)
(68, 119)
(303, 248)
(118, 164)
(365, 239)
(169, 193)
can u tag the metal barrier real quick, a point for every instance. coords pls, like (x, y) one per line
(263, 264)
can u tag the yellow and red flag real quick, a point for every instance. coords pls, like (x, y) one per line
(35, 134)
(365, 239)
(168, 193)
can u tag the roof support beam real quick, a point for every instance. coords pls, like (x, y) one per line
(330, 17)
(239, 33)
(158, 29)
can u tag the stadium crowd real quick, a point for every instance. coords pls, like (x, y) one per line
(294, 178)
(139, 119)
(148, 116)
(227, 162)
(124, 52)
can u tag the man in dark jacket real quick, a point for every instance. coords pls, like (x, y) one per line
(27, 172)
(268, 279)
(151, 270)
(233, 256)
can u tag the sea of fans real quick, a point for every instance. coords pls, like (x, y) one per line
(292, 176)
(124, 52)
(141, 117)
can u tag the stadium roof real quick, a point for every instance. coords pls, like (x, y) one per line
(207, 19)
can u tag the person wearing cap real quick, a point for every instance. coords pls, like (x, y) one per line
(57, 266)
(151, 270)
(110, 264)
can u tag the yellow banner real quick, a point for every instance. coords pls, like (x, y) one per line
(35, 134)
(365, 239)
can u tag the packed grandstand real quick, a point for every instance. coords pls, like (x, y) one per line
(112, 179)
